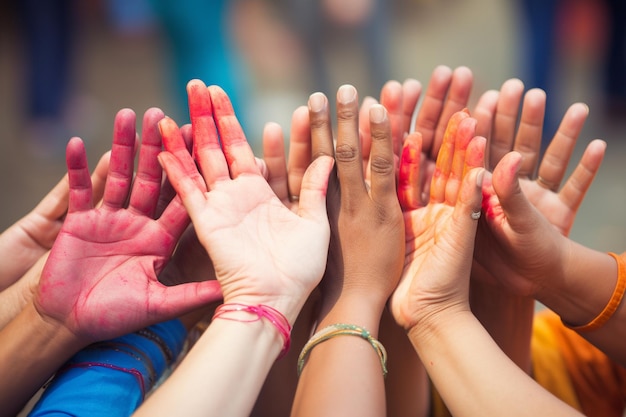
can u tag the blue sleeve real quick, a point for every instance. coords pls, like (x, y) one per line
(111, 378)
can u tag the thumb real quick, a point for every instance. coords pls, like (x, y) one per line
(314, 187)
(505, 181)
(183, 298)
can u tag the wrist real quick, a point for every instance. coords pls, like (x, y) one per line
(585, 286)
(351, 308)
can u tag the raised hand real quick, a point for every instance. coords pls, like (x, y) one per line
(261, 250)
(440, 235)
(100, 280)
(540, 189)
(357, 251)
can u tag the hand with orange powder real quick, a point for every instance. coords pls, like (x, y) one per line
(508, 315)
(522, 243)
(474, 377)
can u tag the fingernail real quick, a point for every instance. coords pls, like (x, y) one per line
(377, 113)
(346, 94)
(317, 101)
(479, 178)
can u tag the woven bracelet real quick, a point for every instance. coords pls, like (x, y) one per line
(340, 329)
(614, 302)
(261, 311)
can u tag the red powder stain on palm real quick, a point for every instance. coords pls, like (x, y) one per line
(487, 206)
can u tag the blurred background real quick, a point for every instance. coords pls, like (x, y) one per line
(67, 67)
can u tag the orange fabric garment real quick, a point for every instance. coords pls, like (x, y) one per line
(576, 371)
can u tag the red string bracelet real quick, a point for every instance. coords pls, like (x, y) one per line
(262, 311)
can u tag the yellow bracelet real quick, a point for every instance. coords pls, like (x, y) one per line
(340, 329)
(613, 303)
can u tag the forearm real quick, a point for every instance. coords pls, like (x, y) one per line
(111, 378)
(222, 374)
(31, 351)
(507, 318)
(473, 376)
(335, 366)
(407, 388)
(589, 281)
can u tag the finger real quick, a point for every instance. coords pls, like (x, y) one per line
(466, 208)
(321, 128)
(237, 151)
(530, 131)
(176, 146)
(444, 159)
(364, 128)
(99, 176)
(464, 134)
(505, 122)
(274, 157)
(411, 91)
(484, 113)
(576, 186)
(120, 176)
(456, 100)
(514, 203)
(312, 204)
(167, 191)
(80, 194)
(559, 152)
(391, 97)
(429, 114)
(300, 149)
(206, 145)
(348, 153)
(382, 164)
(190, 194)
(475, 154)
(147, 185)
(409, 182)
(173, 301)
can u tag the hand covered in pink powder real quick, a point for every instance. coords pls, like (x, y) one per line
(100, 280)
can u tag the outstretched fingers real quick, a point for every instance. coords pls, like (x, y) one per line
(121, 166)
(235, 147)
(206, 145)
(505, 121)
(556, 159)
(382, 164)
(300, 150)
(409, 181)
(275, 162)
(445, 158)
(147, 185)
(180, 167)
(576, 186)
(530, 131)
(80, 196)
(348, 152)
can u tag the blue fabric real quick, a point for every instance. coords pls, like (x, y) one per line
(105, 379)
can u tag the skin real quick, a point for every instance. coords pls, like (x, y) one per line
(432, 300)
(78, 300)
(227, 198)
(407, 386)
(508, 315)
(28, 241)
(364, 264)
